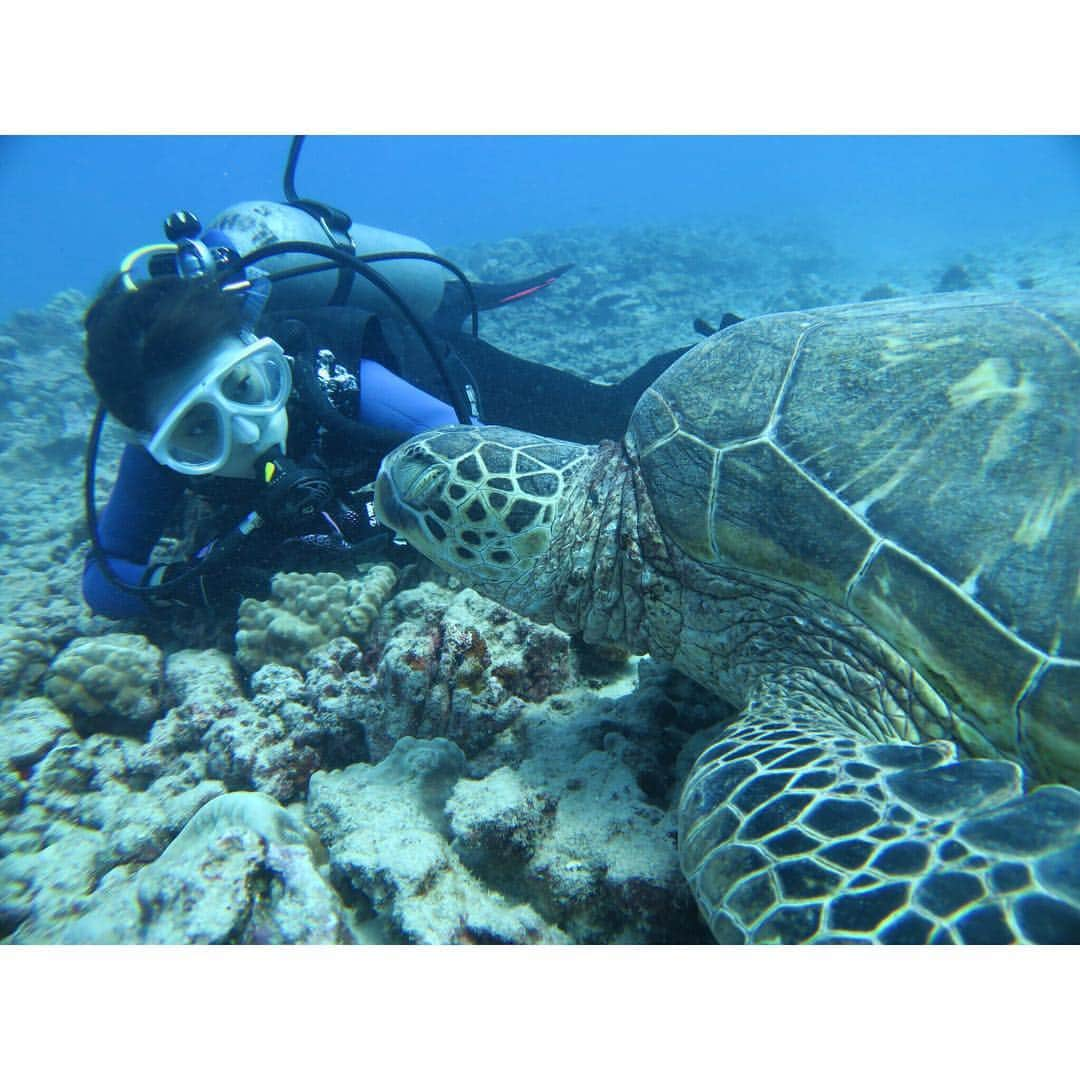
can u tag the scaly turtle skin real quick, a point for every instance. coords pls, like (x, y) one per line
(859, 524)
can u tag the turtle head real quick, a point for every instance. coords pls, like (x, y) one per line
(480, 502)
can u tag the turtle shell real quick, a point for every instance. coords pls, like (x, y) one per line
(916, 461)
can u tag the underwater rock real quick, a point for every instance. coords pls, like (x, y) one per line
(883, 291)
(953, 279)
(461, 667)
(242, 871)
(63, 842)
(338, 686)
(24, 659)
(562, 827)
(43, 889)
(496, 823)
(390, 851)
(306, 611)
(579, 827)
(609, 864)
(29, 730)
(108, 683)
(250, 744)
(103, 784)
(271, 743)
(12, 790)
(85, 807)
(200, 676)
(205, 686)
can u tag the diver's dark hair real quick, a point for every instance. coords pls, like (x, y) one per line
(134, 336)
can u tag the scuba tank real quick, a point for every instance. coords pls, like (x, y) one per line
(250, 226)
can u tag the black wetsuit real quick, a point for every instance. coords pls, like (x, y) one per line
(514, 392)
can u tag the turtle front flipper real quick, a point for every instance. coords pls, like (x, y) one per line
(791, 830)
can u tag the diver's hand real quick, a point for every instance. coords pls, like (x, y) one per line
(204, 583)
(178, 584)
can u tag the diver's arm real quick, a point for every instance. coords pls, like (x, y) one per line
(388, 401)
(130, 525)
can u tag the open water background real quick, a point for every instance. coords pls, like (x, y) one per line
(72, 206)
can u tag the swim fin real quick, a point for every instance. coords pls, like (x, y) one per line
(550, 401)
(454, 308)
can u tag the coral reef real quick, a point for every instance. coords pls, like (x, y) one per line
(608, 864)
(45, 410)
(460, 666)
(553, 828)
(78, 808)
(87, 806)
(306, 611)
(108, 683)
(562, 833)
(583, 829)
(270, 743)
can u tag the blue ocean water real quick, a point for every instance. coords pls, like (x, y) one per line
(71, 207)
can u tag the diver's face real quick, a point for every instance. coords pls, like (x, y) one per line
(222, 414)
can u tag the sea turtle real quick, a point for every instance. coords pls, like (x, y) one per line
(860, 525)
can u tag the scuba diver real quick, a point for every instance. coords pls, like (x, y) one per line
(263, 367)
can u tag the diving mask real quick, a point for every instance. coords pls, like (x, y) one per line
(228, 411)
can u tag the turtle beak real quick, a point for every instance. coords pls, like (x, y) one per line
(406, 478)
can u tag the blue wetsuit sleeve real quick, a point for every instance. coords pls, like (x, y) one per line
(387, 400)
(130, 525)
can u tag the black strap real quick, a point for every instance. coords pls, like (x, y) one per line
(335, 223)
(349, 333)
